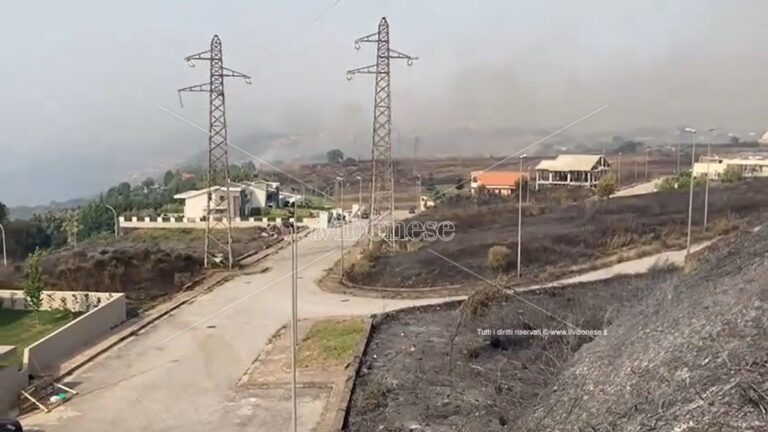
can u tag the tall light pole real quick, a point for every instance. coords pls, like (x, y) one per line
(677, 147)
(359, 195)
(520, 217)
(647, 150)
(2, 233)
(619, 175)
(294, 316)
(706, 184)
(418, 195)
(341, 259)
(690, 193)
(117, 226)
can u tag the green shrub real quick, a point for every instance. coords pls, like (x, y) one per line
(606, 186)
(732, 174)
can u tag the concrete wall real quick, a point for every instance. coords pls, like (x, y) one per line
(196, 223)
(12, 381)
(75, 301)
(47, 354)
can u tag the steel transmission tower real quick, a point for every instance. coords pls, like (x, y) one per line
(382, 203)
(218, 211)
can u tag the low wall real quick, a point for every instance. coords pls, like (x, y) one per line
(46, 355)
(12, 381)
(75, 301)
(180, 222)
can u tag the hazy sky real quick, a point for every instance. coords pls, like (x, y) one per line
(82, 81)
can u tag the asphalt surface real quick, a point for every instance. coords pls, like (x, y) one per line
(180, 373)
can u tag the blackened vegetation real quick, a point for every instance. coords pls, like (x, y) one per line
(683, 352)
(560, 235)
(410, 377)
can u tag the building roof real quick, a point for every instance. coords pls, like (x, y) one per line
(571, 162)
(194, 193)
(497, 178)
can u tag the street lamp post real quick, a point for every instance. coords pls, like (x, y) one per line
(341, 259)
(117, 225)
(359, 195)
(2, 233)
(520, 217)
(418, 194)
(677, 147)
(294, 319)
(619, 174)
(690, 193)
(647, 150)
(706, 181)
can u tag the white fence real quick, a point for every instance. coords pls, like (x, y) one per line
(196, 223)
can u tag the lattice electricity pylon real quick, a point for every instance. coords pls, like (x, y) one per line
(382, 203)
(219, 209)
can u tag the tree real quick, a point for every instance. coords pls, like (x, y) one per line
(459, 184)
(734, 140)
(33, 283)
(3, 213)
(606, 186)
(732, 174)
(96, 218)
(148, 183)
(334, 156)
(71, 225)
(24, 236)
(168, 178)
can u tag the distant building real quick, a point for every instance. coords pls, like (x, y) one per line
(764, 139)
(572, 170)
(244, 197)
(498, 182)
(716, 166)
(196, 201)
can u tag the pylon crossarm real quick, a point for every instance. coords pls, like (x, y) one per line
(362, 70)
(202, 55)
(395, 54)
(369, 38)
(205, 87)
(234, 74)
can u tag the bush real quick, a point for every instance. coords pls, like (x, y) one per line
(606, 186)
(499, 258)
(732, 174)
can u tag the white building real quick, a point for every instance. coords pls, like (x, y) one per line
(716, 166)
(196, 201)
(572, 170)
(244, 197)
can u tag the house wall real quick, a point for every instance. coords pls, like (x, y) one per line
(195, 207)
(47, 354)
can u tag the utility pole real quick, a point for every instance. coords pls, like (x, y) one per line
(382, 203)
(706, 185)
(647, 150)
(520, 217)
(218, 211)
(690, 194)
(619, 174)
(5, 257)
(341, 256)
(294, 318)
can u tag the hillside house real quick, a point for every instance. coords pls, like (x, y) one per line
(498, 182)
(572, 170)
(244, 196)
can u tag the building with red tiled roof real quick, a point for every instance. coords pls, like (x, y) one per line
(499, 182)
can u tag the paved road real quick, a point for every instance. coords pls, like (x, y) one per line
(179, 374)
(638, 189)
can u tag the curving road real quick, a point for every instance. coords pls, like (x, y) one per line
(179, 374)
